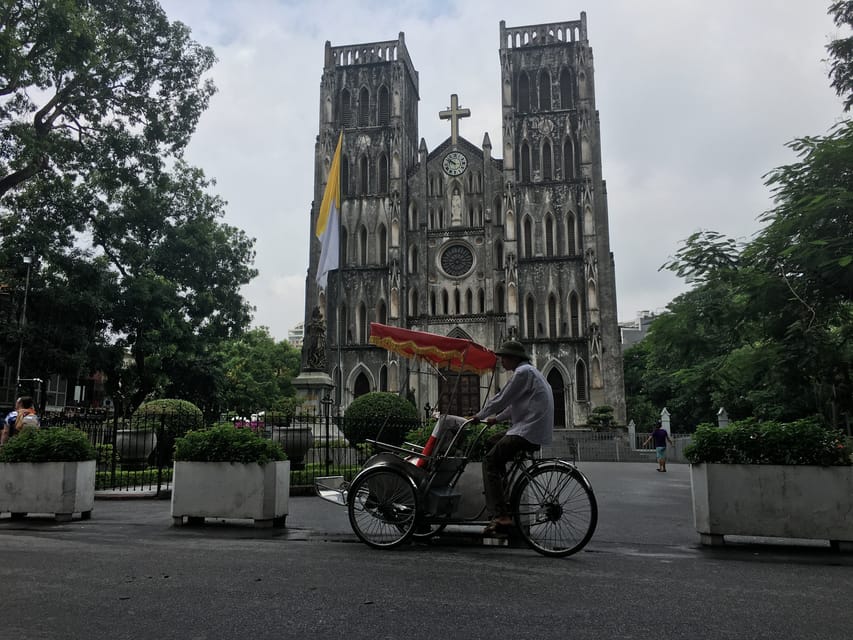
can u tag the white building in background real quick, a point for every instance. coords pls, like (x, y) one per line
(635, 330)
(296, 335)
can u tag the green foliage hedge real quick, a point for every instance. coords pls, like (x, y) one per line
(805, 441)
(227, 444)
(48, 445)
(379, 410)
(420, 436)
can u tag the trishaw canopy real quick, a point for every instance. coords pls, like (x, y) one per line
(456, 354)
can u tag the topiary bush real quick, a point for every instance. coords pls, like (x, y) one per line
(227, 444)
(48, 445)
(176, 417)
(379, 410)
(806, 441)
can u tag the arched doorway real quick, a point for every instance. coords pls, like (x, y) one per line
(361, 386)
(466, 400)
(558, 388)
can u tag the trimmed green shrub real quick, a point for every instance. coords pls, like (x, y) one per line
(176, 416)
(806, 441)
(601, 417)
(48, 445)
(227, 444)
(379, 411)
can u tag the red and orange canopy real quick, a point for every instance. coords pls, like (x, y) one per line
(456, 354)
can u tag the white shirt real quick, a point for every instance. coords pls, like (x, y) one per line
(527, 400)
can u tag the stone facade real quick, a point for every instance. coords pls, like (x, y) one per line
(457, 242)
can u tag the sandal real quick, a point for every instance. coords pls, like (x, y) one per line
(496, 528)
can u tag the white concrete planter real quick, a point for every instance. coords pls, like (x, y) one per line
(775, 501)
(60, 488)
(231, 490)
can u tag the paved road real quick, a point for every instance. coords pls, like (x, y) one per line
(127, 573)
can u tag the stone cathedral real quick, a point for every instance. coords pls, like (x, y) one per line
(459, 241)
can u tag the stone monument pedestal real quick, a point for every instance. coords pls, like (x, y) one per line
(311, 388)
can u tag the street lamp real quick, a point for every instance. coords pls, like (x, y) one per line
(28, 260)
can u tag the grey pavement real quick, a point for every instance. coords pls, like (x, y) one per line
(128, 573)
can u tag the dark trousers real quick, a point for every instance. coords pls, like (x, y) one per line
(500, 449)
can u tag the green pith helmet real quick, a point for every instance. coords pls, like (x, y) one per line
(514, 349)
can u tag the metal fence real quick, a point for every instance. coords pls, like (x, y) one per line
(136, 454)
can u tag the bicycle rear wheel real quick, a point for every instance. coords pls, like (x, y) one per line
(554, 509)
(383, 506)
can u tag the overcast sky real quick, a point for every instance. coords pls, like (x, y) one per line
(696, 100)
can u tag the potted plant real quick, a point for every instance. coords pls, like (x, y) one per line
(48, 471)
(225, 472)
(770, 479)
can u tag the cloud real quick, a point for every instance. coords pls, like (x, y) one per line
(696, 102)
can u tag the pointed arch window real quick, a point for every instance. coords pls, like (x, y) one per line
(432, 303)
(344, 176)
(552, 316)
(571, 234)
(525, 162)
(523, 93)
(529, 318)
(499, 255)
(549, 235)
(382, 313)
(383, 245)
(469, 302)
(565, 89)
(346, 108)
(362, 324)
(383, 173)
(575, 311)
(363, 107)
(383, 378)
(457, 302)
(580, 381)
(568, 160)
(547, 161)
(445, 303)
(343, 245)
(544, 91)
(363, 175)
(413, 216)
(481, 298)
(500, 306)
(413, 259)
(384, 106)
(528, 237)
(362, 245)
(343, 316)
(415, 304)
(558, 389)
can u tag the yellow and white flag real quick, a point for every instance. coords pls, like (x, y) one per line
(328, 222)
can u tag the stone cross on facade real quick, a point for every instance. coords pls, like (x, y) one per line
(453, 114)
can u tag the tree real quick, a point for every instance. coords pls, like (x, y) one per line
(258, 372)
(179, 272)
(841, 53)
(95, 85)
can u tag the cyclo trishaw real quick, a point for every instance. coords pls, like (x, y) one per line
(412, 492)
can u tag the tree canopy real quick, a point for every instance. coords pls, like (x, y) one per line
(767, 330)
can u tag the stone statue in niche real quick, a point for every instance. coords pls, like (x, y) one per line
(455, 208)
(315, 343)
(511, 269)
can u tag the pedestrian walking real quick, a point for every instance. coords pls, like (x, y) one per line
(660, 436)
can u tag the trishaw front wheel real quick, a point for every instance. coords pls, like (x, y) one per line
(555, 509)
(383, 507)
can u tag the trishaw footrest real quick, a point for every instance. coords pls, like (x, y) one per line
(443, 500)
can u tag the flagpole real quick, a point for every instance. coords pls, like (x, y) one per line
(340, 285)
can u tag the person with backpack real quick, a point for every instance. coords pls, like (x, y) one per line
(22, 417)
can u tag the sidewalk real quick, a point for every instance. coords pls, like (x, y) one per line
(639, 510)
